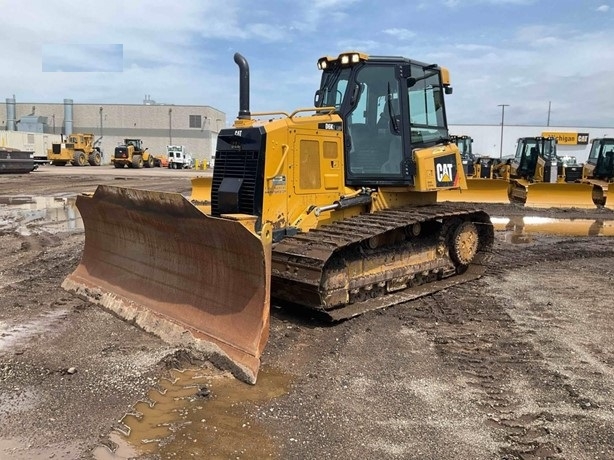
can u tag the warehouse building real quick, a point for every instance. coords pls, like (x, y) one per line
(158, 125)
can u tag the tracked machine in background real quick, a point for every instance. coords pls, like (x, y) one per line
(539, 178)
(331, 207)
(598, 171)
(465, 147)
(487, 177)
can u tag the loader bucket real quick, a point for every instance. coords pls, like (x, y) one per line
(478, 191)
(559, 195)
(194, 280)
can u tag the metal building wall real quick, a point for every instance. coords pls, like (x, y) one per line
(157, 125)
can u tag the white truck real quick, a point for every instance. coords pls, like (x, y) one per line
(178, 157)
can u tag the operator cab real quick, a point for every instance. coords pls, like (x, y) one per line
(529, 150)
(389, 106)
(601, 157)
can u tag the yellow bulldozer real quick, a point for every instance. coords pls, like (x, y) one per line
(332, 208)
(540, 178)
(78, 149)
(487, 177)
(598, 171)
(132, 154)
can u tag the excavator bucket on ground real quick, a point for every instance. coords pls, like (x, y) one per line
(553, 195)
(194, 280)
(478, 191)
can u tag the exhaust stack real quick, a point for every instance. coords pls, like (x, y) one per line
(243, 86)
(10, 114)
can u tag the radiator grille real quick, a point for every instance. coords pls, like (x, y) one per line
(241, 165)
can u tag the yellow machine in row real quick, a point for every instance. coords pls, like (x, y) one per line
(540, 178)
(331, 207)
(488, 179)
(77, 149)
(132, 154)
(598, 171)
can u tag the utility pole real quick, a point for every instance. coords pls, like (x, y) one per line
(503, 106)
(549, 106)
(170, 126)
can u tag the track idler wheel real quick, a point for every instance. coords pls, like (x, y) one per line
(464, 244)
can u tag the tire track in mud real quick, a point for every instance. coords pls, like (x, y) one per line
(482, 341)
(473, 332)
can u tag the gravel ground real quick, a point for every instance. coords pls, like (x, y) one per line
(516, 365)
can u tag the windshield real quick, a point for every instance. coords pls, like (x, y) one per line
(608, 145)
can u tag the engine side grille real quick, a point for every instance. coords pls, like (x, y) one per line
(240, 165)
(56, 148)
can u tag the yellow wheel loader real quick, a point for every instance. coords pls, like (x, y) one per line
(78, 150)
(487, 178)
(332, 207)
(132, 154)
(598, 171)
(539, 178)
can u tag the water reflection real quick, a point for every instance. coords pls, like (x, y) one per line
(197, 413)
(518, 228)
(56, 214)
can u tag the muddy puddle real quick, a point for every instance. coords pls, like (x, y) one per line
(197, 413)
(55, 214)
(520, 229)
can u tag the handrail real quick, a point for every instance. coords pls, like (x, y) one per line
(284, 149)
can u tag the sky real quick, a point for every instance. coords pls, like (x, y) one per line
(543, 58)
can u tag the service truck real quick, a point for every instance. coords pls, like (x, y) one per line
(178, 157)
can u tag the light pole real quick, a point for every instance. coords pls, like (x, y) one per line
(503, 106)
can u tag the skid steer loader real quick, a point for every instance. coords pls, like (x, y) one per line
(598, 171)
(331, 207)
(538, 178)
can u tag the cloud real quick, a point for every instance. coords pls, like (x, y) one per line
(82, 58)
(603, 8)
(183, 54)
(400, 34)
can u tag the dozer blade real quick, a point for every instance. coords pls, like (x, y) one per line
(193, 280)
(478, 191)
(559, 195)
(201, 189)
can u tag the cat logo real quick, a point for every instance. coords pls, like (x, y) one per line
(445, 171)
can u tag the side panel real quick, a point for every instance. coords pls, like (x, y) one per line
(439, 168)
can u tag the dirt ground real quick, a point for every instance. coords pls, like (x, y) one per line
(516, 365)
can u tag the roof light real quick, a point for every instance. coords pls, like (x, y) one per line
(345, 59)
(355, 58)
(322, 64)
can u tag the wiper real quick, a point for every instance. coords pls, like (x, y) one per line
(391, 113)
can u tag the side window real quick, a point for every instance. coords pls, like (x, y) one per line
(358, 115)
(426, 106)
